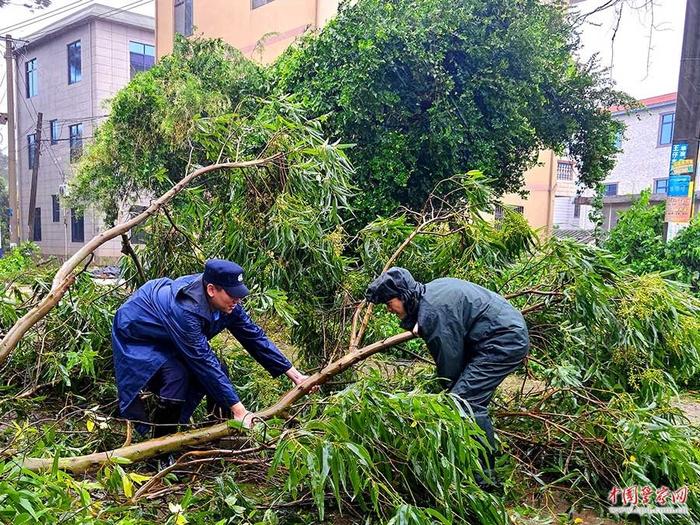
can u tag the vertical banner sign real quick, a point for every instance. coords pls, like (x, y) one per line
(679, 201)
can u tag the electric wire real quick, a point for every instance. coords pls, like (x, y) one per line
(107, 14)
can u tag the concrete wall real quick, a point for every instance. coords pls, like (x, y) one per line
(261, 34)
(105, 69)
(540, 181)
(550, 202)
(642, 160)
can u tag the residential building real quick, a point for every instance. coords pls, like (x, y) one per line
(67, 72)
(644, 159)
(260, 29)
(552, 202)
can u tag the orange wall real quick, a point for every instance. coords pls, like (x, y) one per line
(540, 181)
(262, 33)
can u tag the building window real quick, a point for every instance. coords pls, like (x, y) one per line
(37, 225)
(55, 209)
(141, 57)
(610, 189)
(75, 68)
(55, 131)
(565, 170)
(259, 3)
(577, 209)
(183, 17)
(31, 150)
(77, 226)
(499, 211)
(661, 186)
(618, 140)
(76, 141)
(666, 129)
(31, 78)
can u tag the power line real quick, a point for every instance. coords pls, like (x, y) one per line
(42, 17)
(107, 14)
(53, 141)
(51, 153)
(81, 119)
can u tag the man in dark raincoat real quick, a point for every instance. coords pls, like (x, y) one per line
(474, 335)
(160, 339)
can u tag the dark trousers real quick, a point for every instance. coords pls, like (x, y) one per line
(172, 386)
(476, 385)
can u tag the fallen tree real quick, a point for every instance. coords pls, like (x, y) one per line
(174, 442)
(64, 277)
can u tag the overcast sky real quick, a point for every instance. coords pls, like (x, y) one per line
(643, 60)
(644, 55)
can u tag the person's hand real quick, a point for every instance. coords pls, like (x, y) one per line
(240, 413)
(298, 378)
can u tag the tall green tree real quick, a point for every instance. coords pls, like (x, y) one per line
(199, 107)
(147, 143)
(637, 238)
(430, 88)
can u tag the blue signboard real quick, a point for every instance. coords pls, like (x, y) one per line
(678, 152)
(679, 186)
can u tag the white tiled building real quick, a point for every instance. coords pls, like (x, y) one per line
(644, 160)
(570, 210)
(67, 72)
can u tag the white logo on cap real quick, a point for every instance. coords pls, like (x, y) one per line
(240, 278)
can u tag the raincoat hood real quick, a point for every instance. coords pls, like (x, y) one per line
(398, 283)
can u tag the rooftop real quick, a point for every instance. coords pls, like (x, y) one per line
(583, 236)
(85, 15)
(648, 103)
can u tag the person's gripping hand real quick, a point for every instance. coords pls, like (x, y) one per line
(241, 414)
(298, 378)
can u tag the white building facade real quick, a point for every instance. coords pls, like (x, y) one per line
(644, 159)
(68, 72)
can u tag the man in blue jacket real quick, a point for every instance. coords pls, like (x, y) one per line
(475, 336)
(160, 339)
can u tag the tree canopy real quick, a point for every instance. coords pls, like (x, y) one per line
(638, 241)
(427, 89)
(424, 90)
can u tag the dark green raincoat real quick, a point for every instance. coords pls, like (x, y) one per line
(475, 336)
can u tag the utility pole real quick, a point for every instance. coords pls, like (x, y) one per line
(35, 175)
(11, 143)
(683, 174)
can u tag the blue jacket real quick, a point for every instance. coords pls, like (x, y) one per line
(167, 318)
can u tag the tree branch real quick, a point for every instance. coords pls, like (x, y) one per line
(127, 249)
(173, 442)
(64, 278)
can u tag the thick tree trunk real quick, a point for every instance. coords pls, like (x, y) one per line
(171, 443)
(64, 277)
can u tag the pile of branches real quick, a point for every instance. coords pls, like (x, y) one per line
(609, 349)
(261, 185)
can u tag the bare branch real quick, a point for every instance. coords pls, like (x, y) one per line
(64, 278)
